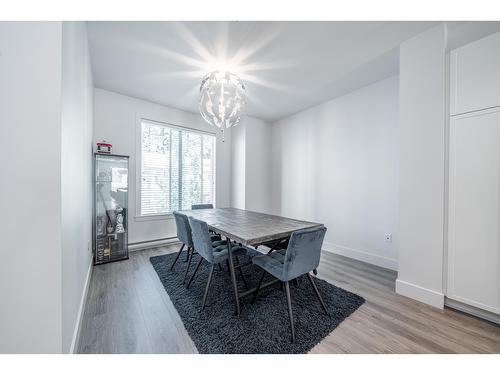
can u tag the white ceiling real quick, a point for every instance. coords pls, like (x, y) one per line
(286, 66)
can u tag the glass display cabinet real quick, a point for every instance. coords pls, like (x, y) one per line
(110, 224)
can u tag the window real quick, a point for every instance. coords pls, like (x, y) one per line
(177, 168)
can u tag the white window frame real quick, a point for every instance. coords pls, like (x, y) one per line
(138, 165)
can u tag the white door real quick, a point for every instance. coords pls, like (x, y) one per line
(474, 210)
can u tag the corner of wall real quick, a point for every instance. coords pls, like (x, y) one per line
(78, 323)
(422, 176)
(419, 293)
(76, 176)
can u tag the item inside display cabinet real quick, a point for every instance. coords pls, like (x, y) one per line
(119, 220)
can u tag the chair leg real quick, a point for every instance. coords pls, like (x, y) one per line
(187, 256)
(258, 287)
(190, 256)
(208, 285)
(316, 291)
(177, 257)
(194, 273)
(290, 312)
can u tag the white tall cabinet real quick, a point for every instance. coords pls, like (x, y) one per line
(473, 274)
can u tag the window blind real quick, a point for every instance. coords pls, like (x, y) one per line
(177, 168)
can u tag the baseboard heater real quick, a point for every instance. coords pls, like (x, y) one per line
(134, 246)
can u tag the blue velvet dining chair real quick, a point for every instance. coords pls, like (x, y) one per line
(213, 252)
(202, 206)
(300, 257)
(184, 235)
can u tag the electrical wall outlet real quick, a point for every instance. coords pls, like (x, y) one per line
(388, 237)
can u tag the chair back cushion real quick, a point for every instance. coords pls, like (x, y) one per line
(202, 206)
(303, 252)
(183, 229)
(201, 239)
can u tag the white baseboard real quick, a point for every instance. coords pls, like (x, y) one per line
(363, 256)
(419, 293)
(79, 317)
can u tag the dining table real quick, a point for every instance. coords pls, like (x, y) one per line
(248, 228)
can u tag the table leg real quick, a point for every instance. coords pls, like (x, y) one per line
(233, 277)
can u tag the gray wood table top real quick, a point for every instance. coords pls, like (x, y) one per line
(249, 227)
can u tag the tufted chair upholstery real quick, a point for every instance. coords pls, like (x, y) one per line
(301, 256)
(213, 252)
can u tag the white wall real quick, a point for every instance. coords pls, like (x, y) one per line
(238, 166)
(30, 198)
(422, 166)
(116, 120)
(76, 176)
(251, 165)
(258, 165)
(337, 163)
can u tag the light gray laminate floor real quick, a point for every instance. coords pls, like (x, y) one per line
(128, 311)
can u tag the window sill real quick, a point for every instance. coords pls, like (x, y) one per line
(154, 217)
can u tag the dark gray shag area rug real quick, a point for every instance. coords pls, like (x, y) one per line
(262, 327)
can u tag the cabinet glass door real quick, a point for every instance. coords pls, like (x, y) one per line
(111, 208)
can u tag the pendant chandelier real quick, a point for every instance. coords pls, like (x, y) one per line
(222, 99)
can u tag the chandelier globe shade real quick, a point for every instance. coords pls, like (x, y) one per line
(222, 99)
